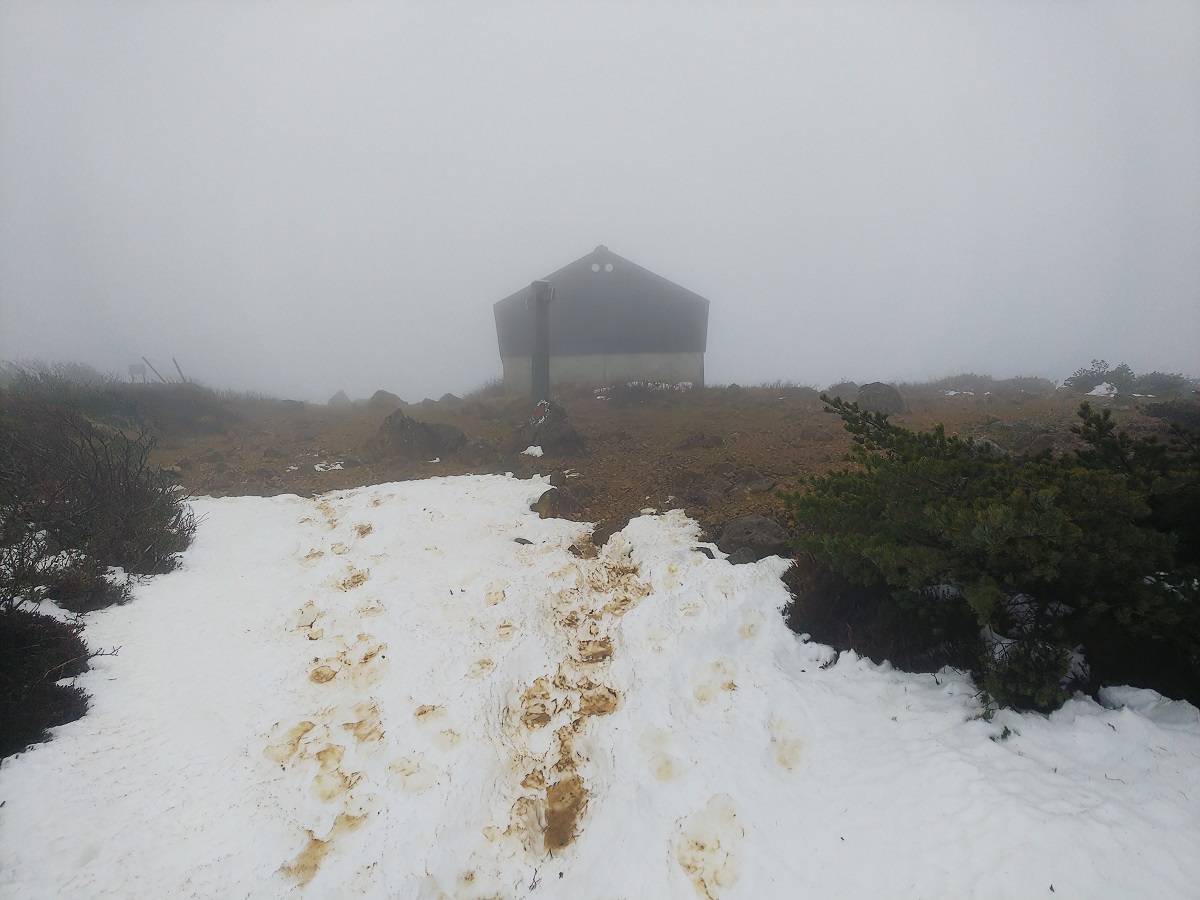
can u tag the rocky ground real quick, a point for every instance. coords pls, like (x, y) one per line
(719, 453)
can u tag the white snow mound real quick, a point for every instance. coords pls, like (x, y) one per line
(1104, 389)
(532, 450)
(380, 693)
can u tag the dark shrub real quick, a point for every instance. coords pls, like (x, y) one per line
(1044, 553)
(1084, 379)
(1162, 384)
(1182, 413)
(89, 487)
(80, 585)
(917, 637)
(36, 651)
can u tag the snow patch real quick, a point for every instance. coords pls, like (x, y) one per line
(379, 693)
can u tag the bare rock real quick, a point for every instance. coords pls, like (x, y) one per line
(405, 438)
(340, 399)
(757, 535)
(606, 528)
(555, 504)
(550, 429)
(385, 401)
(754, 482)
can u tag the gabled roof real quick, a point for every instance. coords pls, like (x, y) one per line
(604, 303)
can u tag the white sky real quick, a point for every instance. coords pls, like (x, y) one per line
(298, 197)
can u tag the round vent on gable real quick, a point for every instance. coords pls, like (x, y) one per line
(595, 267)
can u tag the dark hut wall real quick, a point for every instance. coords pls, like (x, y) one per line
(611, 320)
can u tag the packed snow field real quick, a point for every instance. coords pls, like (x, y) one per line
(383, 693)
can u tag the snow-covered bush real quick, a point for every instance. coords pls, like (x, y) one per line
(1096, 549)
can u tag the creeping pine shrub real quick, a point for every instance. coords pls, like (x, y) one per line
(1099, 372)
(1047, 556)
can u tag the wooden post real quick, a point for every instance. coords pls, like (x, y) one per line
(540, 295)
(155, 371)
(182, 377)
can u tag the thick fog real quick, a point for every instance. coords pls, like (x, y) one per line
(300, 197)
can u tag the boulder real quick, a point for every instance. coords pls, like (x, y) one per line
(606, 528)
(340, 399)
(550, 429)
(881, 398)
(555, 504)
(753, 482)
(385, 400)
(405, 438)
(757, 535)
(741, 556)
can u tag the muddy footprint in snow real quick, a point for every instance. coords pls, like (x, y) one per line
(308, 861)
(707, 844)
(354, 578)
(786, 748)
(713, 680)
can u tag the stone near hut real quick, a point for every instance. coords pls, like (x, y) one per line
(550, 429)
(340, 399)
(554, 504)
(880, 398)
(385, 400)
(757, 536)
(406, 438)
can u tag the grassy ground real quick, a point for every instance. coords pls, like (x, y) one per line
(718, 453)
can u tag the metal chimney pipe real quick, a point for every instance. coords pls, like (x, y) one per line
(540, 295)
